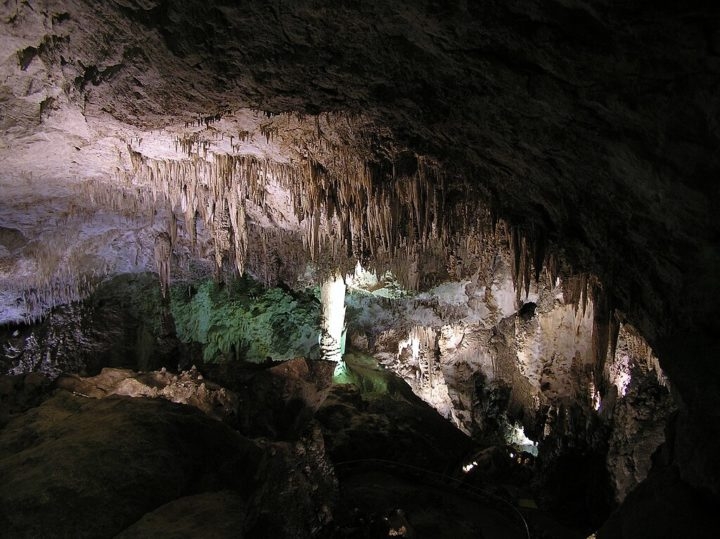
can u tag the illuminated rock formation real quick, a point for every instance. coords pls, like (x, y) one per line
(332, 332)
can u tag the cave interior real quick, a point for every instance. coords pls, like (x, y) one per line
(359, 268)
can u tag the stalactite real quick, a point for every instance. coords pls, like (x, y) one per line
(575, 290)
(606, 327)
(351, 202)
(222, 234)
(172, 227)
(163, 257)
(239, 232)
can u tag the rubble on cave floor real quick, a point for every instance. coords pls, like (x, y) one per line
(111, 435)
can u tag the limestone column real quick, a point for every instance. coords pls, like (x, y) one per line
(332, 328)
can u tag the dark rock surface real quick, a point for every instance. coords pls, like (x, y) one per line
(20, 393)
(89, 468)
(663, 507)
(95, 466)
(124, 323)
(276, 400)
(99, 464)
(219, 514)
(377, 415)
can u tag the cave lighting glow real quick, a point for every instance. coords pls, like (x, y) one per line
(383, 285)
(595, 397)
(517, 437)
(620, 374)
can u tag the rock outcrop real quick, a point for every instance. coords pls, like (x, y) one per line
(100, 465)
(531, 377)
(187, 387)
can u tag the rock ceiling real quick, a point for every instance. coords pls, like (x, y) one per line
(583, 134)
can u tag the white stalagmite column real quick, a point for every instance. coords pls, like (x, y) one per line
(332, 296)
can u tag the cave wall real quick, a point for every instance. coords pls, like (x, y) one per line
(526, 376)
(126, 322)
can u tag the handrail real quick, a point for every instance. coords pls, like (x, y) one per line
(460, 485)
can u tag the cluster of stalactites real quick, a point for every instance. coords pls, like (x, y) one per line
(346, 206)
(420, 338)
(350, 202)
(531, 256)
(62, 288)
(350, 208)
(214, 191)
(586, 291)
(125, 200)
(355, 195)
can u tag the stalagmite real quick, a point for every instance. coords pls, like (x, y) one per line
(332, 335)
(222, 234)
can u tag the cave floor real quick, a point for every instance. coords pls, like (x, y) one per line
(420, 508)
(296, 445)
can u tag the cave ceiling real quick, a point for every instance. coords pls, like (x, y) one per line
(590, 130)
